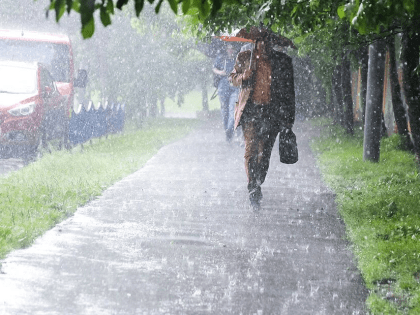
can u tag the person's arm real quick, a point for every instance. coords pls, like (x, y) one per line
(219, 72)
(219, 64)
(241, 72)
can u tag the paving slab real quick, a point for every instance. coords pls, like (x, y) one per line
(178, 237)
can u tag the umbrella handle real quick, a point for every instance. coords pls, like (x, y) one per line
(250, 60)
(252, 65)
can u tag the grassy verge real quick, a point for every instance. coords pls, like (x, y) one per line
(37, 197)
(380, 204)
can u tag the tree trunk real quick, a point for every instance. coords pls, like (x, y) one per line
(364, 60)
(397, 103)
(384, 130)
(410, 58)
(153, 106)
(204, 96)
(338, 95)
(319, 97)
(347, 99)
(139, 112)
(375, 86)
(162, 107)
(333, 101)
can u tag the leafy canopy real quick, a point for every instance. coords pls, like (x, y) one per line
(106, 8)
(304, 16)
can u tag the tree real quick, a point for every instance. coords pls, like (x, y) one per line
(346, 89)
(363, 57)
(411, 82)
(338, 93)
(386, 18)
(397, 103)
(375, 86)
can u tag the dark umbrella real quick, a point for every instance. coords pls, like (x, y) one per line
(260, 33)
(228, 38)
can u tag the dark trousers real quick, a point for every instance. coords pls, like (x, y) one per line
(260, 128)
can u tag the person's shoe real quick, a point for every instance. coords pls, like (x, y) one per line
(239, 141)
(256, 194)
(255, 197)
(255, 205)
(229, 135)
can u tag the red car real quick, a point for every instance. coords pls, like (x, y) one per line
(31, 107)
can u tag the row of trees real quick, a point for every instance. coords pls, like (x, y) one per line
(334, 35)
(142, 61)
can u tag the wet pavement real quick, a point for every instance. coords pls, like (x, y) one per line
(10, 165)
(14, 159)
(178, 237)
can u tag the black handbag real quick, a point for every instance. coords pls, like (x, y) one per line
(288, 149)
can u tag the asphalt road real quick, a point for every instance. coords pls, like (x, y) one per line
(178, 237)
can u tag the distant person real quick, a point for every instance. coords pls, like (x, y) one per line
(228, 94)
(265, 108)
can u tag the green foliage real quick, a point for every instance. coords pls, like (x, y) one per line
(37, 197)
(370, 16)
(379, 205)
(138, 6)
(87, 9)
(379, 306)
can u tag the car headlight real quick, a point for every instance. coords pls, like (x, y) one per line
(23, 110)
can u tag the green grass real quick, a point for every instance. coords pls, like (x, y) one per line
(192, 103)
(35, 198)
(380, 205)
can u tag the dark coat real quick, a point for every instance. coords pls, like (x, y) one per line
(282, 86)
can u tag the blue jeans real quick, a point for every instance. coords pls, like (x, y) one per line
(228, 96)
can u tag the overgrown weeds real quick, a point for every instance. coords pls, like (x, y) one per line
(380, 204)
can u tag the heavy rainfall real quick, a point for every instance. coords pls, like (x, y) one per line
(233, 158)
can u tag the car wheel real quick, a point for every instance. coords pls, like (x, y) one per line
(5, 152)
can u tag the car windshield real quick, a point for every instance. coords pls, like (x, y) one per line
(56, 57)
(17, 80)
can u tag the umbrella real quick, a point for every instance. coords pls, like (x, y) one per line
(259, 33)
(228, 38)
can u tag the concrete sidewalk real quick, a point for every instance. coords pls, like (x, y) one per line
(178, 237)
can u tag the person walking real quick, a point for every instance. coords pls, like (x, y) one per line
(228, 94)
(266, 105)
